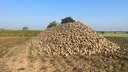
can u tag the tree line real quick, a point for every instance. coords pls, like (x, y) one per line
(63, 21)
(54, 23)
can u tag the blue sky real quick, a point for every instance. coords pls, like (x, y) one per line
(105, 15)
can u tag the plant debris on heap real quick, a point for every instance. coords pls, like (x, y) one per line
(72, 39)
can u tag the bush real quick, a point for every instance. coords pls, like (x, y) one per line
(54, 23)
(126, 32)
(25, 28)
(102, 32)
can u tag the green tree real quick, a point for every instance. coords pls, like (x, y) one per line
(53, 23)
(102, 32)
(66, 20)
(25, 28)
(114, 32)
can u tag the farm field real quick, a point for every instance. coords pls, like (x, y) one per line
(85, 36)
(115, 35)
(15, 53)
(8, 33)
(11, 33)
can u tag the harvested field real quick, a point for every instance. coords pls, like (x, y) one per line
(23, 54)
(117, 62)
(123, 42)
(13, 52)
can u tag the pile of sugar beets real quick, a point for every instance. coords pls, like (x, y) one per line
(73, 47)
(72, 39)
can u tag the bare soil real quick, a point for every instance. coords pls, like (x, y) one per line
(17, 56)
(13, 54)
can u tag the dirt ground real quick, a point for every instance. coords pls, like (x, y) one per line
(17, 56)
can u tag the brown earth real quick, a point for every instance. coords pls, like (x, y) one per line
(15, 57)
(71, 47)
(13, 54)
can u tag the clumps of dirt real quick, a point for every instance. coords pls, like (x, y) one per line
(72, 39)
